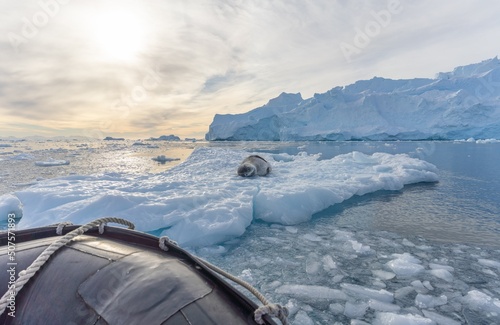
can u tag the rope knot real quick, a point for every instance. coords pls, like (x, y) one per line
(163, 242)
(273, 310)
(60, 227)
(101, 227)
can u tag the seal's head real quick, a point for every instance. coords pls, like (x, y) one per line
(246, 170)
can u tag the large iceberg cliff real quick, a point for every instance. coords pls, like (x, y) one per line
(460, 104)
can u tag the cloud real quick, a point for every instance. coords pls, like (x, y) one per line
(213, 56)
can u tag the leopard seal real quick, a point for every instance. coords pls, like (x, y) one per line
(254, 165)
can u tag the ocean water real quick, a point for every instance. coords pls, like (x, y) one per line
(428, 254)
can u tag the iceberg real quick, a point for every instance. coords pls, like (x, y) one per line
(461, 104)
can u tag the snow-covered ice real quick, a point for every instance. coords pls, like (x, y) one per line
(455, 105)
(202, 201)
(10, 205)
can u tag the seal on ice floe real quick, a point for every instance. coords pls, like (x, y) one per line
(254, 165)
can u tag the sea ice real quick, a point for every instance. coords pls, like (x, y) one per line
(405, 265)
(51, 162)
(312, 292)
(22, 156)
(383, 275)
(303, 319)
(363, 292)
(355, 309)
(202, 201)
(442, 274)
(440, 319)
(478, 300)
(10, 207)
(428, 301)
(383, 318)
(489, 263)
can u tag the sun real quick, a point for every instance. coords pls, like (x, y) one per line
(117, 35)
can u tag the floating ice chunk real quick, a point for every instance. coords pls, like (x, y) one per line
(489, 263)
(383, 318)
(355, 310)
(489, 272)
(442, 274)
(362, 292)
(10, 207)
(428, 285)
(441, 267)
(303, 318)
(359, 248)
(51, 162)
(292, 306)
(342, 235)
(419, 286)
(212, 250)
(408, 243)
(440, 319)
(403, 292)
(427, 301)
(291, 229)
(336, 308)
(405, 265)
(382, 306)
(328, 263)
(357, 322)
(312, 237)
(312, 292)
(313, 264)
(246, 275)
(22, 156)
(383, 275)
(478, 300)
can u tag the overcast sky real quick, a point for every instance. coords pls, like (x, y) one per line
(146, 68)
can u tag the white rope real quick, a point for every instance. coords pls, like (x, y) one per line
(273, 310)
(26, 275)
(163, 243)
(60, 227)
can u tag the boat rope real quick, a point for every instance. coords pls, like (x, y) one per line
(163, 243)
(26, 275)
(271, 309)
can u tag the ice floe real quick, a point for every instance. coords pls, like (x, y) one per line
(202, 201)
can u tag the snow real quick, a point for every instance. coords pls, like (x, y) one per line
(202, 201)
(456, 105)
(10, 206)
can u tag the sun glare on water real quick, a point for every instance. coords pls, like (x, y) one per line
(117, 35)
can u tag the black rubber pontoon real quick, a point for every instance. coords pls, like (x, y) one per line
(118, 277)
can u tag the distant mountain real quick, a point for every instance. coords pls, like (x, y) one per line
(461, 104)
